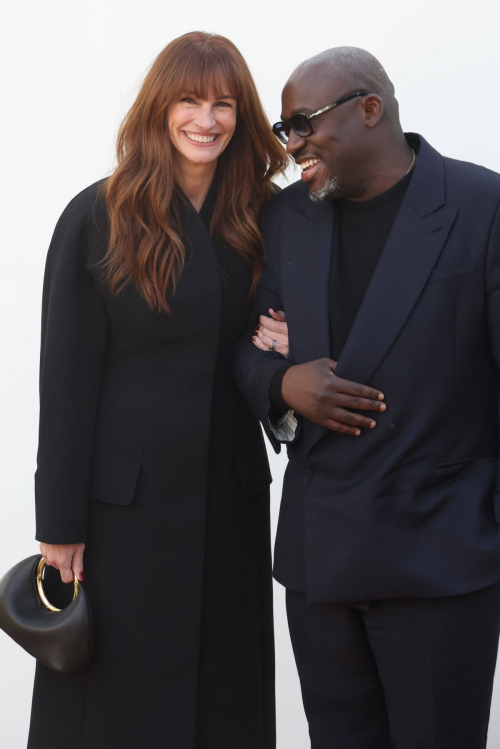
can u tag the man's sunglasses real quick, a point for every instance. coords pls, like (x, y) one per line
(301, 123)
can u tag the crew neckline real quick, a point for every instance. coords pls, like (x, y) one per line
(365, 205)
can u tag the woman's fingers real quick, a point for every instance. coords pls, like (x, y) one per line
(271, 329)
(264, 340)
(275, 326)
(78, 564)
(277, 315)
(51, 554)
(66, 573)
(264, 332)
(64, 557)
(259, 342)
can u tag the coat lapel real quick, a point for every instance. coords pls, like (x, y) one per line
(200, 247)
(412, 249)
(307, 236)
(407, 260)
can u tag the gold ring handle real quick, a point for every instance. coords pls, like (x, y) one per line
(41, 592)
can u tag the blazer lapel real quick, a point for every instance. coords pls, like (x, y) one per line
(307, 237)
(412, 249)
(407, 260)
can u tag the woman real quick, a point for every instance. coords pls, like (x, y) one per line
(152, 473)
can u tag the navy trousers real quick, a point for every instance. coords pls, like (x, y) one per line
(397, 674)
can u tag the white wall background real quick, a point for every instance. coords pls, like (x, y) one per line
(69, 71)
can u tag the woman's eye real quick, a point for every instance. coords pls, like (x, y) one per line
(223, 104)
(188, 100)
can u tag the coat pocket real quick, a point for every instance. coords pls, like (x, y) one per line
(456, 464)
(450, 271)
(114, 479)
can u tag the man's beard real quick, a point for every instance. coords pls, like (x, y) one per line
(332, 186)
(331, 189)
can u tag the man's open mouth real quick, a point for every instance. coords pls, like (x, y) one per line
(305, 165)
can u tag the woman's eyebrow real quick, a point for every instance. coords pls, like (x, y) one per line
(197, 96)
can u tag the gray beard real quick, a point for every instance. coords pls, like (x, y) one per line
(329, 190)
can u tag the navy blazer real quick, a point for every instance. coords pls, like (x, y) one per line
(411, 508)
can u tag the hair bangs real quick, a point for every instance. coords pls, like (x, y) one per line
(208, 73)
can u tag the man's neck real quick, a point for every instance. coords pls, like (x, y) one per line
(194, 180)
(388, 167)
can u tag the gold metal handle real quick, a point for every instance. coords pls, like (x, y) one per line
(41, 592)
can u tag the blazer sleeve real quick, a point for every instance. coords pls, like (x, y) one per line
(493, 306)
(75, 329)
(254, 369)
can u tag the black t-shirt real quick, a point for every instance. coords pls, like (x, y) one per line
(361, 232)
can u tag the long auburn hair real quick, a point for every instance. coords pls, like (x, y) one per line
(145, 244)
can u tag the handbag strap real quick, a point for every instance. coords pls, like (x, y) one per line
(41, 592)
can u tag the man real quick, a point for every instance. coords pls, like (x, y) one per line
(385, 258)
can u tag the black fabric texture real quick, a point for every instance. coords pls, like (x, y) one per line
(397, 673)
(361, 231)
(149, 454)
(278, 404)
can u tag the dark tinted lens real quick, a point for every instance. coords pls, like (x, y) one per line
(281, 131)
(300, 125)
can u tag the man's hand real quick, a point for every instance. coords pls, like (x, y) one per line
(314, 391)
(67, 558)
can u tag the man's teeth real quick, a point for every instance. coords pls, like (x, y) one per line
(201, 138)
(306, 164)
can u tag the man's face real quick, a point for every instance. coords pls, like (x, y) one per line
(336, 142)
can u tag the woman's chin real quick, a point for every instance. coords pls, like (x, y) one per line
(208, 159)
(203, 157)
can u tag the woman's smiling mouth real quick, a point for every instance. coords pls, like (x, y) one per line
(201, 140)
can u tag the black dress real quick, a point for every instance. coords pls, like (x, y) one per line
(177, 567)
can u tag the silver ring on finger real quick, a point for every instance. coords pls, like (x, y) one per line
(273, 344)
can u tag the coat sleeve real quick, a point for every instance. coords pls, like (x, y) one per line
(73, 344)
(493, 308)
(254, 369)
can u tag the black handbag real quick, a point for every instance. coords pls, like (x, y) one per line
(61, 639)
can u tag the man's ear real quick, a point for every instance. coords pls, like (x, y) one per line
(373, 107)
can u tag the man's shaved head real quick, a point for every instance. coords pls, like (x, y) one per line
(351, 69)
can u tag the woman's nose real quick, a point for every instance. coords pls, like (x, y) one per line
(205, 118)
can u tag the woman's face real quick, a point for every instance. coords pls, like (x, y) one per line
(200, 129)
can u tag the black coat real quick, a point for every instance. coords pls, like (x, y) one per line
(411, 508)
(150, 455)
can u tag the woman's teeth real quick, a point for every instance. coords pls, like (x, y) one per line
(201, 138)
(306, 164)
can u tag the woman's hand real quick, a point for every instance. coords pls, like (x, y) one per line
(271, 329)
(67, 558)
